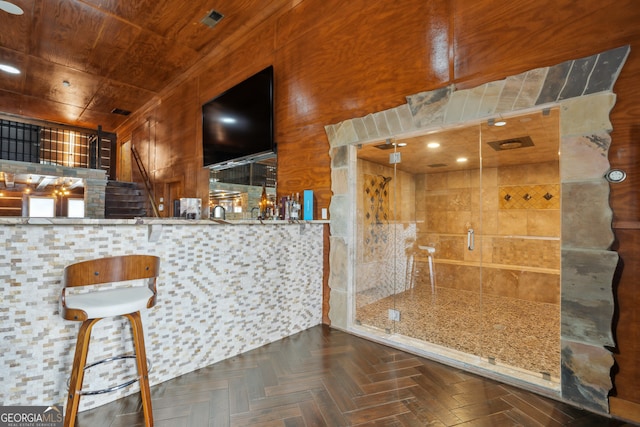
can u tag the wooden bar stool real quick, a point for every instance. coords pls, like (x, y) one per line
(93, 306)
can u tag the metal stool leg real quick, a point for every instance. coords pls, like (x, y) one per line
(77, 372)
(141, 359)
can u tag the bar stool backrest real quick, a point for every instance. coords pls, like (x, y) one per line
(110, 270)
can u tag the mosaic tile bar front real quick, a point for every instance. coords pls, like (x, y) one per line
(223, 290)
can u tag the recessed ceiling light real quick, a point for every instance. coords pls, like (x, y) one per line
(500, 123)
(401, 144)
(433, 145)
(9, 69)
(461, 159)
(10, 8)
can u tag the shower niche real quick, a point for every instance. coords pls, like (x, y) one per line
(458, 245)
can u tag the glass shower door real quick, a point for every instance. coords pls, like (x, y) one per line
(458, 243)
(448, 240)
(375, 274)
(419, 238)
(385, 238)
(521, 257)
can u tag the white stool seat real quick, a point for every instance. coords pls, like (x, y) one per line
(113, 302)
(429, 249)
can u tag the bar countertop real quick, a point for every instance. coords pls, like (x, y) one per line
(145, 221)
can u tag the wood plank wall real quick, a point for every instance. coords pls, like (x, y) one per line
(336, 60)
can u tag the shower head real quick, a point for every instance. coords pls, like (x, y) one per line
(385, 180)
(511, 144)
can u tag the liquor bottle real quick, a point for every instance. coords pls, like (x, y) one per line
(296, 206)
(264, 203)
(283, 208)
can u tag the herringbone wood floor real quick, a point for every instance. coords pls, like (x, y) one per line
(324, 377)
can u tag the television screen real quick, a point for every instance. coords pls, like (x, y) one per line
(237, 125)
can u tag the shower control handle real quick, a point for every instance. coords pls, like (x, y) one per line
(470, 239)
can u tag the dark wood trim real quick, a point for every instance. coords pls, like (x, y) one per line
(626, 225)
(326, 290)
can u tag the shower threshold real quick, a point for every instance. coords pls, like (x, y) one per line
(541, 383)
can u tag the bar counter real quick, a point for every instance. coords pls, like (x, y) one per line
(224, 289)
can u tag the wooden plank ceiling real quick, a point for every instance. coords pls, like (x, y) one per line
(113, 53)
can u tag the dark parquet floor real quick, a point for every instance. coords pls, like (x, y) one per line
(325, 377)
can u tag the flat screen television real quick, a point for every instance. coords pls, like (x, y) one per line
(237, 125)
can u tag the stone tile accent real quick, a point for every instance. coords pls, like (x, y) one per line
(218, 296)
(338, 263)
(586, 377)
(586, 215)
(584, 157)
(582, 88)
(339, 310)
(370, 124)
(331, 133)
(339, 223)
(554, 82)
(406, 119)
(382, 126)
(472, 105)
(339, 157)
(339, 179)
(578, 78)
(94, 197)
(393, 121)
(510, 91)
(529, 197)
(586, 115)
(531, 88)
(361, 129)
(490, 98)
(587, 297)
(455, 107)
(606, 70)
(344, 133)
(429, 108)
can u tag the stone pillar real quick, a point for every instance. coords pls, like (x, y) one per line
(588, 266)
(339, 212)
(94, 190)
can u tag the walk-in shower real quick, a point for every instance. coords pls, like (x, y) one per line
(458, 243)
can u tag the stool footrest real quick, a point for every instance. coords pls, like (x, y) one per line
(115, 387)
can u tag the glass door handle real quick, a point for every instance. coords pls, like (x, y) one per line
(470, 239)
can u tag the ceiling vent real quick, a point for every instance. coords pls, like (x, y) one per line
(511, 143)
(437, 165)
(120, 111)
(212, 18)
(385, 146)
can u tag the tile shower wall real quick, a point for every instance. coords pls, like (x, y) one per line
(223, 290)
(516, 215)
(386, 231)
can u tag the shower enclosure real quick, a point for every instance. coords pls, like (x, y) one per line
(458, 243)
